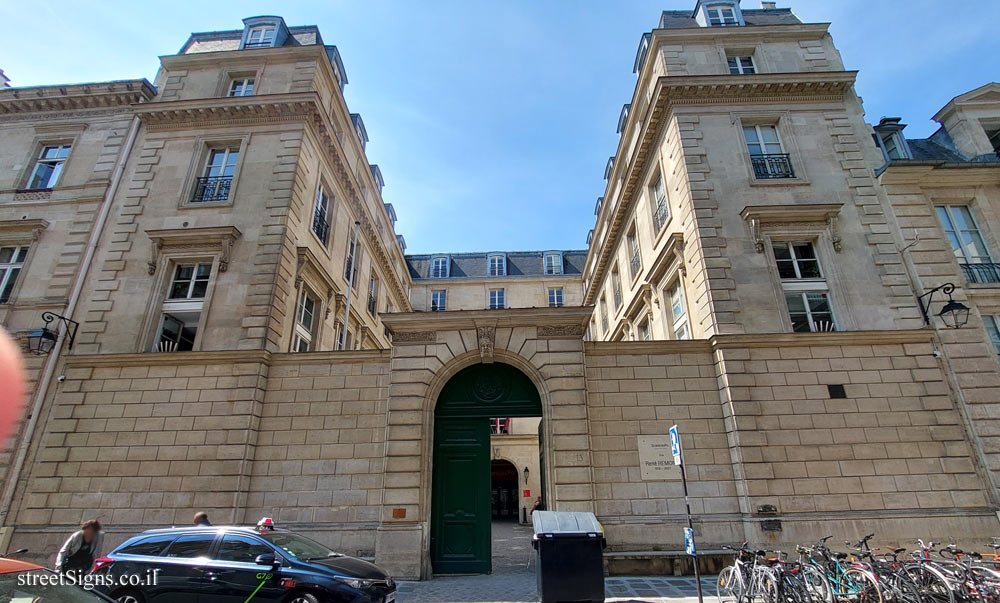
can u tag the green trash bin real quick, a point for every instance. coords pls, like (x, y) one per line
(569, 556)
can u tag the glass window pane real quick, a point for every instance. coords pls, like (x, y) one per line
(991, 328)
(962, 218)
(804, 251)
(768, 134)
(195, 545)
(781, 250)
(786, 269)
(184, 272)
(809, 269)
(750, 134)
(975, 249)
(42, 176)
(22, 254)
(6, 254)
(795, 303)
(8, 286)
(818, 302)
(242, 549)
(198, 290)
(945, 219)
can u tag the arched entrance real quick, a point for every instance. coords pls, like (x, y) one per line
(460, 485)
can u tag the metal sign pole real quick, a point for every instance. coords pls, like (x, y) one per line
(675, 443)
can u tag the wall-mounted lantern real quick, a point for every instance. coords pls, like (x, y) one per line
(954, 314)
(42, 341)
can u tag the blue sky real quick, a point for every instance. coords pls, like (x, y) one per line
(492, 121)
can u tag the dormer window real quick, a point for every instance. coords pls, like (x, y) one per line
(260, 37)
(439, 267)
(891, 140)
(497, 265)
(553, 263)
(718, 13)
(359, 129)
(722, 16)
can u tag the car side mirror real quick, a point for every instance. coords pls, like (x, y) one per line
(269, 560)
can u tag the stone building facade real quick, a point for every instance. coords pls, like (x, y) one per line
(753, 277)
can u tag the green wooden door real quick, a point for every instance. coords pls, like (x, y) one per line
(460, 534)
(460, 495)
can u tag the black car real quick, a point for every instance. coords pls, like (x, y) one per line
(227, 564)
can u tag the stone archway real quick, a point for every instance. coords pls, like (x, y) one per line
(460, 534)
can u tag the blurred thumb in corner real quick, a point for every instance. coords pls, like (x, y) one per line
(11, 385)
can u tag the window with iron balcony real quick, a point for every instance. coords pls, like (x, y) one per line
(217, 178)
(321, 219)
(767, 154)
(967, 244)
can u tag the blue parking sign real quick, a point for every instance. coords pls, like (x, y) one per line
(675, 444)
(689, 541)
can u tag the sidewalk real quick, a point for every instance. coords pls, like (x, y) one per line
(512, 581)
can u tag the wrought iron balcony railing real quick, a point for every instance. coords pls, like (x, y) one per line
(212, 188)
(772, 166)
(263, 44)
(321, 226)
(986, 272)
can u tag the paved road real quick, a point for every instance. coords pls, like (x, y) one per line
(513, 580)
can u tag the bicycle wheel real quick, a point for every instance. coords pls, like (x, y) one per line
(816, 583)
(728, 586)
(899, 587)
(933, 586)
(861, 587)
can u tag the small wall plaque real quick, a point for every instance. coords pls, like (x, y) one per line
(399, 513)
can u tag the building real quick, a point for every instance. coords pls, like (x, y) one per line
(751, 277)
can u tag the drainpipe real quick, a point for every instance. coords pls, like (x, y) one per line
(53, 359)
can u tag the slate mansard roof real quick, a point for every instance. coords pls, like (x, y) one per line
(519, 264)
(681, 19)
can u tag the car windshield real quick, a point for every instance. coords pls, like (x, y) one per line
(41, 586)
(297, 546)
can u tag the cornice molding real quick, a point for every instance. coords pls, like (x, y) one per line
(210, 237)
(72, 99)
(757, 340)
(167, 358)
(22, 229)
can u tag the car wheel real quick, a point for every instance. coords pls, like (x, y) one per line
(129, 596)
(303, 598)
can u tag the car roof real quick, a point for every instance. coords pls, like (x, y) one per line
(10, 566)
(210, 530)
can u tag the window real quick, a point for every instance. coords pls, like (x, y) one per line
(260, 36)
(241, 87)
(11, 262)
(616, 287)
(191, 545)
(182, 307)
(49, 166)
(439, 267)
(894, 147)
(994, 135)
(722, 16)
(499, 425)
(741, 65)
(497, 266)
(321, 216)
(806, 291)
(350, 263)
(967, 244)
(496, 299)
(373, 295)
(993, 328)
(553, 263)
(604, 315)
(661, 209)
(305, 319)
(645, 334)
(217, 178)
(635, 259)
(555, 297)
(242, 549)
(767, 154)
(150, 547)
(439, 301)
(678, 311)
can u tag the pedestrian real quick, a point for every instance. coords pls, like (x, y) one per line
(81, 549)
(538, 506)
(201, 520)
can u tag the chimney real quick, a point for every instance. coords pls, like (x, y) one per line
(768, 5)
